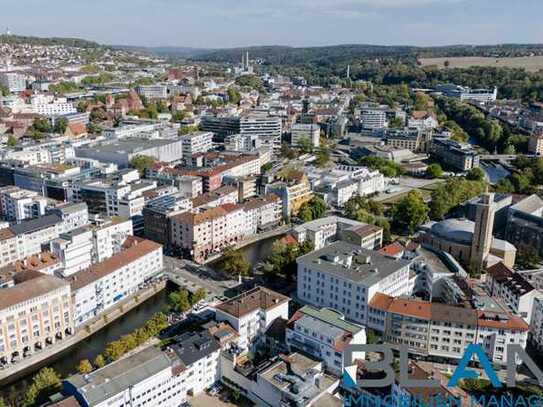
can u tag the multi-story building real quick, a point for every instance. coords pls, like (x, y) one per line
(423, 120)
(309, 132)
(108, 236)
(14, 81)
(262, 212)
(294, 190)
(74, 250)
(152, 91)
(513, 289)
(151, 376)
(105, 283)
(17, 204)
(246, 143)
(323, 231)
(221, 125)
(73, 215)
(415, 140)
(268, 128)
(443, 331)
(207, 232)
(122, 151)
(324, 334)
(49, 105)
(345, 277)
(34, 234)
(536, 324)
(466, 93)
(524, 227)
(373, 117)
(9, 248)
(251, 313)
(458, 155)
(196, 143)
(34, 313)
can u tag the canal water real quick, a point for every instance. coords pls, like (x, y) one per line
(66, 362)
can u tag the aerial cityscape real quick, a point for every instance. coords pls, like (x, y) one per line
(219, 223)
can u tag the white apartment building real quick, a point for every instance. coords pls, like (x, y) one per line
(9, 248)
(323, 231)
(422, 120)
(14, 81)
(32, 234)
(536, 325)
(74, 250)
(152, 91)
(17, 204)
(251, 313)
(324, 334)
(104, 284)
(245, 143)
(345, 277)
(49, 105)
(150, 377)
(72, 215)
(373, 118)
(310, 132)
(108, 237)
(196, 143)
(268, 128)
(262, 212)
(34, 313)
(189, 186)
(513, 289)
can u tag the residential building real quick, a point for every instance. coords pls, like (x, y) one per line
(34, 313)
(309, 132)
(242, 143)
(324, 334)
(268, 128)
(262, 212)
(458, 155)
(196, 143)
(412, 139)
(323, 231)
(524, 227)
(152, 91)
(49, 105)
(423, 120)
(109, 236)
(294, 190)
(251, 313)
(373, 117)
(17, 204)
(105, 283)
(345, 277)
(74, 250)
(73, 215)
(35, 234)
(15, 82)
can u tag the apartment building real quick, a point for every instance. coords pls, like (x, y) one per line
(513, 289)
(74, 250)
(245, 143)
(458, 155)
(196, 143)
(204, 233)
(373, 117)
(443, 331)
(15, 82)
(268, 128)
(152, 91)
(17, 204)
(158, 213)
(251, 313)
(301, 131)
(35, 234)
(262, 212)
(323, 231)
(73, 215)
(324, 334)
(536, 324)
(410, 139)
(294, 190)
(146, 378)
(105, 283)
(49, 105)
(34, 314)
(422, 120)
(345, 277)
(9, 247)
(109, 235)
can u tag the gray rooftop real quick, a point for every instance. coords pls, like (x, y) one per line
(352, 262)
(33, 225)
(129, 145)
(118, 376)
(190, 347)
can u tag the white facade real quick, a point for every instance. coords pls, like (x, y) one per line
(17, 204)
(48, 105)
(109, 237)
(311, 132)
(74, 251)
(373, 118)
(14, 81)
(347, 282)
(196, 143)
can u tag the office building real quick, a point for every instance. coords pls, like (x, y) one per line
(268, 128)
(311, 133)
(196, 143)
(466, 93)
(458, 155)
(152, 91)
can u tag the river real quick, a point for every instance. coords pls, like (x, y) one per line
(65, 363)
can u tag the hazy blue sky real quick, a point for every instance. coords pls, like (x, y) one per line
(231, 23)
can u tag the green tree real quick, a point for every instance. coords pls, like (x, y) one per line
(142, 163)
(12, 141)
(179, 300)
(396, 123)
(411, 211)
(99, 361)
(314, 209)
(60, 125)
(4, 90)
(434, 171)
(387, 167)
(199, 295)
(234, 96)
(527, 258)
(3, 403)
(323, 156)
(114, 350)
(44, 383)
(282, 259)
(305, 145)
(475, 174)
(452, 193)
(233, 263)
(42, 125)
(84, 366)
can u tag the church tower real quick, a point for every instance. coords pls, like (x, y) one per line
(482, 235)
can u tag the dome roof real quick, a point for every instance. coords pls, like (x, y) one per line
(457, 230)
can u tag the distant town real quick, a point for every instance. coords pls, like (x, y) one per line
(203, 232)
